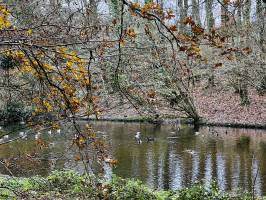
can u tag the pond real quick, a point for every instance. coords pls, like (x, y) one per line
(235, 158)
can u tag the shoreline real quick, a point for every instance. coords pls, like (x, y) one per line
(182, 120)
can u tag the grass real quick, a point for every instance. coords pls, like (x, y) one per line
(70, 185)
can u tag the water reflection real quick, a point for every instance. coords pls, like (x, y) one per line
(235, 158)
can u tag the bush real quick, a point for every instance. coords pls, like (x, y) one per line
(130, 189)
(70, 185)
(13, 112)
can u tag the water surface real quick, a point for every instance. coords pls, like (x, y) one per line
(235, 158)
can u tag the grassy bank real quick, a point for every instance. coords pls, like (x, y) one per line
(70, 185)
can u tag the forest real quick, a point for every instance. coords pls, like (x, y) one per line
(130, 99)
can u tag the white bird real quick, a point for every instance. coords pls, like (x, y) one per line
(197, 133)
(58, 130)
(21, 133)
(22, 122)
(24, 136)
(49, 132)
(137, 137)
(6, 136)
(37, 135)
(0, 127)
(192, 152)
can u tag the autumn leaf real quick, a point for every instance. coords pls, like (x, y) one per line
(188, 20)
(77, 158)
(173, 28)
(226, 2)
(230, 57)
(131, 33)
(135, 6)
(195, 48)
(29, 31)
(247, 50)
(169, 14)
(197, 30)
(114, 22)
(151, 94)
(218, 65)
(183, 37)
(182, 48)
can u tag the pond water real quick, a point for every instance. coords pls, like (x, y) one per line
(235, 158)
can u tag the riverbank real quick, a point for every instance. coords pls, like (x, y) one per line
(176, 121)
(70, 185)
(221, 108)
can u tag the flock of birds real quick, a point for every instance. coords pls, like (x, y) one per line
(24, 135)
(138, 138)
(175, 135)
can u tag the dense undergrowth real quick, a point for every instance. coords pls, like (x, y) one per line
(70, 185)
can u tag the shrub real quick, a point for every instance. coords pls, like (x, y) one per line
(14, 112)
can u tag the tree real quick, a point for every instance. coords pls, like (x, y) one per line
(209, 14)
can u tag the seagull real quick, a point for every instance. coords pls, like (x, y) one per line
(37, 136)
(21, 134)
(24, 136)
(192, 152)
(137, 137)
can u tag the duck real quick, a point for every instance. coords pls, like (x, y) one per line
(137, 137)
(197, 133)
(150, 139)
(22, 123)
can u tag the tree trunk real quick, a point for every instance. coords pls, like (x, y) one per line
(239, 12)
(260, 14)
(224, 13)
(183, 8)
(209, 14)
(246, 13)
(196, 11)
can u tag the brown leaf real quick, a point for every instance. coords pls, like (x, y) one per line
(131, 33)
(189, 20)
(173, 28)
(182, 48)
(197, 29)
(247, 50)
(151, 94)
(218, 65)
